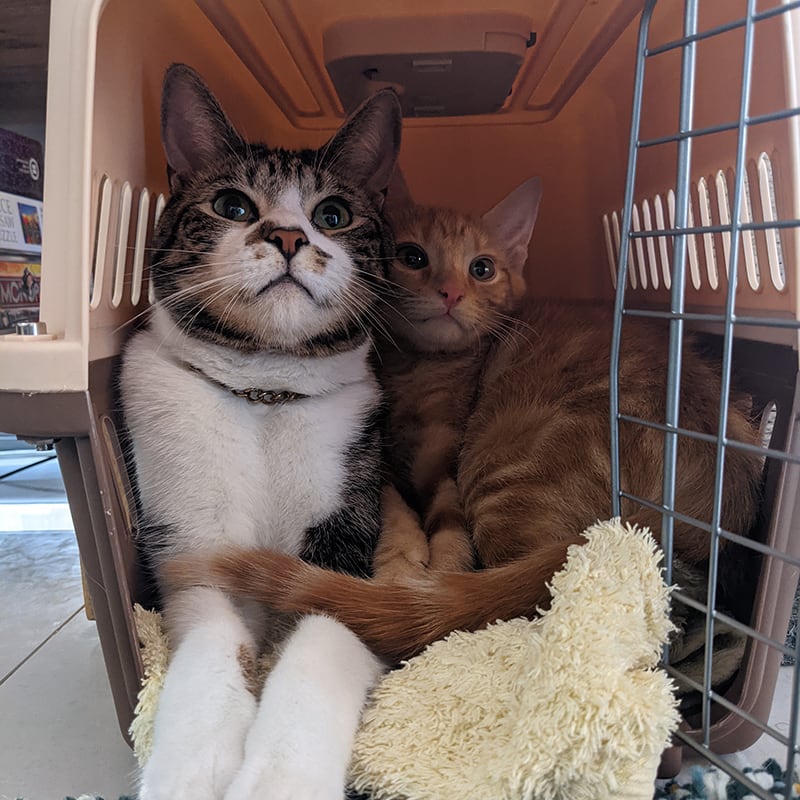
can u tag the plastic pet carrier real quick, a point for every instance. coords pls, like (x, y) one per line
(667, 136)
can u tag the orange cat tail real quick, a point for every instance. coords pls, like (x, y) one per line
(396, 620)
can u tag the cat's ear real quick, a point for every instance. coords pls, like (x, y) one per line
(194, 128)
(365, 148)
(398, 196)
(513, 218)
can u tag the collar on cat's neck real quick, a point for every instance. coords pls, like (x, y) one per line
(267, 397)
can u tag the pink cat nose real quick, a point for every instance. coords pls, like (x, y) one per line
(452, 294)
(287, 240)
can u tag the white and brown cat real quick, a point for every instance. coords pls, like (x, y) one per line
(253, 409)
(499, 427)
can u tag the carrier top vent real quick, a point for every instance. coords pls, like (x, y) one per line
(439, 66)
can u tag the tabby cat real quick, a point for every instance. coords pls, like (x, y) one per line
(509, 397)
(253, 407)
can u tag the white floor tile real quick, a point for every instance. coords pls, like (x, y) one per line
(26, 517)
(40, 587)
(35, 499)
(59, 733)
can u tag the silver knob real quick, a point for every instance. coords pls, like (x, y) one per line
(31, 328)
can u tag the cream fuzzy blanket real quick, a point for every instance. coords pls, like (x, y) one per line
(570, 706)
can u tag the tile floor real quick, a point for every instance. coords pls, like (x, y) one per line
(58, 730)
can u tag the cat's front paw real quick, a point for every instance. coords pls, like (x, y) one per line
(287, 781)
(197, 752)
(205, 773)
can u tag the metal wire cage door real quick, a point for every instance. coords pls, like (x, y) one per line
(699, 250)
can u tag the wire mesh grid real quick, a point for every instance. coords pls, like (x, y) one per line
(783, 453)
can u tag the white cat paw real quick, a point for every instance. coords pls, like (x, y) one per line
(205, 709)
(285, 782)
(205, 773)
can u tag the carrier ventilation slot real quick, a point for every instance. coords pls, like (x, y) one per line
(769, 210)
(708, 238)
(123, 228)
(139, 248)
(662, 242)
(161, 201)
(637, 226)
(610, 249)
(100, 243)
(650, 256)
(612, 233)
(651, 245)
(135, 220)
(749, 238)
(767, 426)
(724, 206)
(694, 266)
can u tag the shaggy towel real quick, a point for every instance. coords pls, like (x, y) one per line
(570, 706)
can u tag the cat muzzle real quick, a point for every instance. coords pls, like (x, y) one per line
(285, 278)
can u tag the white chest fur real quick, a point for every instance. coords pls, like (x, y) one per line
(218, 469)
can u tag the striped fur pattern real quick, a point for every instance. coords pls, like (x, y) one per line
(509, 410)
(445, 318)
(225, 282)
(267, 268)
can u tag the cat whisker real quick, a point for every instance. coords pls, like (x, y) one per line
(387, 284)
(177, 297)
(179, 270)
(229, 306)
(391, 296)
(515, 322)
(380, 298)
(395, 310)
(476, 339)
(507, 333)
(363, 306)
(501, 335)
(385, 297)
(197, 288)
(174, 299)
(163, 250)
(128, 322)
(378, 324)
(500, 328)
(131, 320)
(201, 308)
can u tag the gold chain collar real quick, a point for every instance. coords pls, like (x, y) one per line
(267, 397)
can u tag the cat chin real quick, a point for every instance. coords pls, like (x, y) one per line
(439, 335)
(293, 318)
(284, 318)
(286, 291)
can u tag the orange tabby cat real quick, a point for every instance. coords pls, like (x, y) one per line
(446, 320)
(499, 425)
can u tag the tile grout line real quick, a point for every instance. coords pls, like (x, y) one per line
(41, 645)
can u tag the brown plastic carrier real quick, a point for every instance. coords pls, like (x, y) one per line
(491, 97)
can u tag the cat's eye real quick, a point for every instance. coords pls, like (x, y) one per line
(482, 269)
(332, 214)
(234, 206)
(412, 256)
